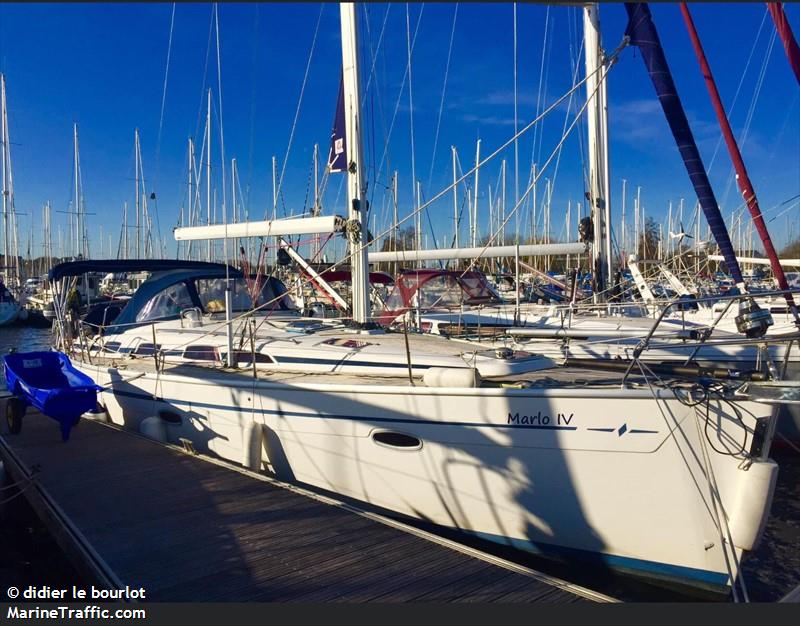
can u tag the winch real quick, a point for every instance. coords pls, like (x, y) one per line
(753, 321)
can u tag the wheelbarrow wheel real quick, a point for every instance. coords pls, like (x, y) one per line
(15, 410)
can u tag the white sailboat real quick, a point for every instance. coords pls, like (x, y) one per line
(655, 476)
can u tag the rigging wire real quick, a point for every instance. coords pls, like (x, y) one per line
(577, 118)
(538, 131)
(161, 117)
(444, 191)
(414, 199)
(400, 93)
(373, 75)
(253, 73)
(739, 86)
(563, 128)
(751, 111)
(219, 116)
(205, 74)
(299, 103)
(441, 101)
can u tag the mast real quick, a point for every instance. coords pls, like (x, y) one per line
(474, 220)
(77, 191)
(395, 227)
(503, 206)
(455, 200)
(742, 179)
(598, 150)
(624, 238)
(3, 172)
(275, 197)
(233, 190)
(316, 210)
(356, 203)
(137, 199)
(48, 237)
(125, 245)
(187, 253)
(208, 169)
(569, 229)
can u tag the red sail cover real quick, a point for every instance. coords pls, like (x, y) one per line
(785, 32)
(742, 179)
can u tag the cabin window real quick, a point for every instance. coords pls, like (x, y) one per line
(440, 291)
(146, 349)
(346, 343)
(246, 294)
(211, 292)
(112, 346)
(201, 353)
(244, 356)
(166, 303)
(476, 289)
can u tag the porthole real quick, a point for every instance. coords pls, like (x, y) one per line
(396, 440)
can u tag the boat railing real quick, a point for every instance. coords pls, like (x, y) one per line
(729, 299)
(652, 309)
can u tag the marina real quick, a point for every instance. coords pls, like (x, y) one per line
(376, 396)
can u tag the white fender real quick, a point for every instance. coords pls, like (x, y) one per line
(252, 445)
(452, 377)
(100, 415)
(153, 428)
(750, 511)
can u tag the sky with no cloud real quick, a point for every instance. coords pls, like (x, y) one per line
(104, 67)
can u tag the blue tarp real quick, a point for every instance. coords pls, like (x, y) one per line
(49, 382)
(120, 266)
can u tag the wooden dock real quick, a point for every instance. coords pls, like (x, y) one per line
(130, 511)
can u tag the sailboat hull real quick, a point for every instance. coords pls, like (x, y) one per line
(576, 471)
(9, 311)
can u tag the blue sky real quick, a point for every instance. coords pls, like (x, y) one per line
(103, 66)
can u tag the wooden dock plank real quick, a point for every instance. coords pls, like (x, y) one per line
(188, 529)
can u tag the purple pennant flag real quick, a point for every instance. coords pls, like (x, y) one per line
(337, 157)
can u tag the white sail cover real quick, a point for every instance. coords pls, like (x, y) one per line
(266, 228)
(552, 249)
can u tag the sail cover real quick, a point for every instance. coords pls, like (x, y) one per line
(785, 32)
(337, 157)
(642, 33)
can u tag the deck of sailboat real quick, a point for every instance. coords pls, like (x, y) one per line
(563, 377)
